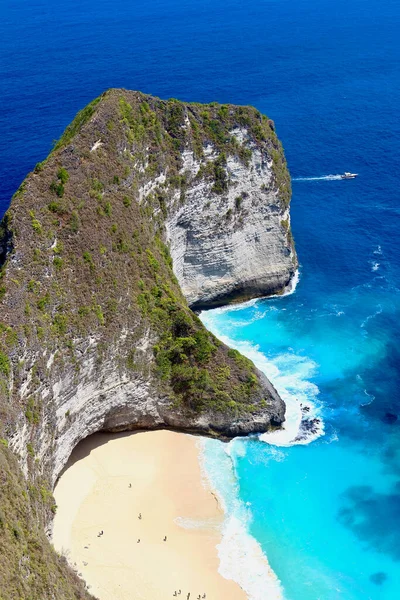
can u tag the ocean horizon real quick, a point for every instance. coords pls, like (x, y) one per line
(319, 502)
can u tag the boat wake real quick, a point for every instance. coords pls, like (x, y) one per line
(322, 178)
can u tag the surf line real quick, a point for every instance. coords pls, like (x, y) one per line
(241, 557)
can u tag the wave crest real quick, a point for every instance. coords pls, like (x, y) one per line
(241, 557)
(290, 374)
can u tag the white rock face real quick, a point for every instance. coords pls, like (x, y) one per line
(104, 397)
(231, 246)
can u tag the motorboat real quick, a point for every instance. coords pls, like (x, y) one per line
(347, 175)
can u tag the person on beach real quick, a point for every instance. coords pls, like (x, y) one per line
(140, 516)
(138, 542)
(165, 539)
(130, 485)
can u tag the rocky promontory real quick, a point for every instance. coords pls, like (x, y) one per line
(144, 208)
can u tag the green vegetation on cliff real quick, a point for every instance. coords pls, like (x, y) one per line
(94, 256)
(29, 567)
(84, 259)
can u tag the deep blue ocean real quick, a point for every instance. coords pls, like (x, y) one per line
(326, 513)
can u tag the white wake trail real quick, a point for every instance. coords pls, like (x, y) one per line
(322, 178)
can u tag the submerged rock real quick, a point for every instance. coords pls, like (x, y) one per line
(390, 418)
(378, 578)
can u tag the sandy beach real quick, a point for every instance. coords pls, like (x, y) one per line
(112, 479)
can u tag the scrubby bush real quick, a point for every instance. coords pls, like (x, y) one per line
(4, 364)
(220, 176)
(63, 175)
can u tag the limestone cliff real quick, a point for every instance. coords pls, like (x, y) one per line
(243, 231)
(139, 195)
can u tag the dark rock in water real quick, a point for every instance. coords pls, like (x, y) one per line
(378, 578)
(390, 418)
(307, 427)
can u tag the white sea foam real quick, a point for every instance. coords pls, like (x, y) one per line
(370, 400)
(322, 178)
(375, 314)
(241, 557)
(375, 266)
(378, 251)
(243, 561)
(332, 438)
(290, 375)
(288, 291)
(291, 286)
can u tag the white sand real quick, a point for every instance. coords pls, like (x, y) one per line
(93, 494)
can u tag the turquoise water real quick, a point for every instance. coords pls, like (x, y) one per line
(326, 513)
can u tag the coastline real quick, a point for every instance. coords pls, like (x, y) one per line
(241, 556)
(289, 289)
(169, 489)
(218, 543)
(303, 422)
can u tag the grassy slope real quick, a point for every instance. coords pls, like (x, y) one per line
(29, 567)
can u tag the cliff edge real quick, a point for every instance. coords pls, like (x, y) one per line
(144, 207)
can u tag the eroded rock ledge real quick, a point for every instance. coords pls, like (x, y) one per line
(143, 207)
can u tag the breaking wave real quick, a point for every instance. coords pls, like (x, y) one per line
(290, 374)
(241, 557)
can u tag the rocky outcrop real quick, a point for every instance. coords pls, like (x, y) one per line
(143, 207)
(98, 331)
(244, 233)
(107, 399)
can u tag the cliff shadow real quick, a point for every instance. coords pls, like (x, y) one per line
(83, 449)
